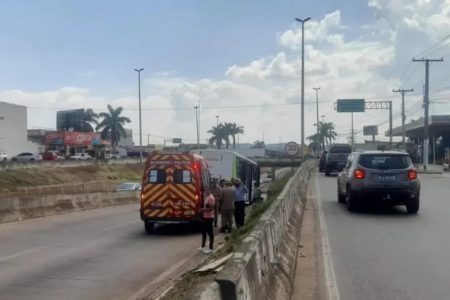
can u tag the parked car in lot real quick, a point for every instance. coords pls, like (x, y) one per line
(3, 157)
(26, 156)
(129, 186)
(383, 176)
(52, 156)
(80, 156)
(336, 157)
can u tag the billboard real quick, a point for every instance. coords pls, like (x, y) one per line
(54, 138)
(370, 130)
(70, 120)
(82, 138)
(70, 138)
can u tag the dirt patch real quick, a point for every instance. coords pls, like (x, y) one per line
(11, 180)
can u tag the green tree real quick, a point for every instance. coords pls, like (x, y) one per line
(327, 135)
(219, 136)
(232, 129)
(90, 117)
(112, 125)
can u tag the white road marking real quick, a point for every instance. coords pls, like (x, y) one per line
(330, 277)
(8, 257)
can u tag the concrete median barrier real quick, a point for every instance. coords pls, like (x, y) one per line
(21, 207)
(263, 266)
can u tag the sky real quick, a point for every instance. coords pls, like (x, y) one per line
(239, 59)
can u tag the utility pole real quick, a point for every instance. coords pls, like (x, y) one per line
(353, 135)
(302, 116)
(426, 99)
(197, 126)
(317, 112)
(217, 132)
(140, 113)
(403, 92)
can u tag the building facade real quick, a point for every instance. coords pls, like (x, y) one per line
(13, 130)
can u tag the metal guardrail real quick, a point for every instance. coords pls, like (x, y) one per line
(61, 189)
(15, 165)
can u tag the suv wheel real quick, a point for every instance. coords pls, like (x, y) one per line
(350, 200)
(412, 206)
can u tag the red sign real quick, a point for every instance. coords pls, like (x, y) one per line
(69, 138)
(54, 138)
(82, 138)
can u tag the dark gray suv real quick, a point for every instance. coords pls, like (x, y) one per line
(384, 176)
(336, 157)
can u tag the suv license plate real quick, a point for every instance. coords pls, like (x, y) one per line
(386, 178)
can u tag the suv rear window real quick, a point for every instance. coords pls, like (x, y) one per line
(341, 149)
(384, 161)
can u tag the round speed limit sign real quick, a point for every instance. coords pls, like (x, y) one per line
(292, 148)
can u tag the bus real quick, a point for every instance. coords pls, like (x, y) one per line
(226, 164)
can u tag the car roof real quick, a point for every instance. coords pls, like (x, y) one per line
(384, 152)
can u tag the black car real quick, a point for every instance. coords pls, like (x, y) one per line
(336, 157)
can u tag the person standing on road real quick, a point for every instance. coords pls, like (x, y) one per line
(256, 198)
(239, 202)
(227, 195)
(215, 190)
(207, 223)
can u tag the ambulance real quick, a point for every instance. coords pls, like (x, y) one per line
(173, 187)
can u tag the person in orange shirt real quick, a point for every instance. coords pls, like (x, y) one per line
(208, 223)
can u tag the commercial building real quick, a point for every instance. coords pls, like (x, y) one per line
(72, 142)
(13, 130)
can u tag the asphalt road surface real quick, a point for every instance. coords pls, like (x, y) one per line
(386, 253)
(99, 254)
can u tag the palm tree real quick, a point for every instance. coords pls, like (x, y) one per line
(112, 125)
(90, 117)
(219, 136)
(233, 129)
(327, 133)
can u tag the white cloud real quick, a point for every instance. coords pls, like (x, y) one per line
(344, 67)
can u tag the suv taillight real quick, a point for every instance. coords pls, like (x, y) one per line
(359, 174)
(412, 174)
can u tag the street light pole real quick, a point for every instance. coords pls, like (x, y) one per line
(140, 112)
(196, 122)
(317, 111)
(303, 85)
(217, 131)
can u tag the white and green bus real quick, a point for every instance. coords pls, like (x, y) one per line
(226, 164)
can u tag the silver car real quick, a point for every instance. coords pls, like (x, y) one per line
(385, 176)
(26, 156)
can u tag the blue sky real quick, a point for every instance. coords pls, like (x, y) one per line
(96, 44)
(68, 54)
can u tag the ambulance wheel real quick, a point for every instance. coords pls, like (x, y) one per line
(149, 227)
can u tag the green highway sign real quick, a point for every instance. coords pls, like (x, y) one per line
(351, 105)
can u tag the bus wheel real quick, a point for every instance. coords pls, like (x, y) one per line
(149, 226)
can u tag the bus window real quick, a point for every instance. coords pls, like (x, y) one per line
(157, 176)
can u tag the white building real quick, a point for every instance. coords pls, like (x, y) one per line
(13, 130)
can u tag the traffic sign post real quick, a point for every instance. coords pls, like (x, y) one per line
(292, 149)
(351, 105)
(373, 131)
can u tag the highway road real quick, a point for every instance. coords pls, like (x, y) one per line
(99, 254)
(386, 253)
